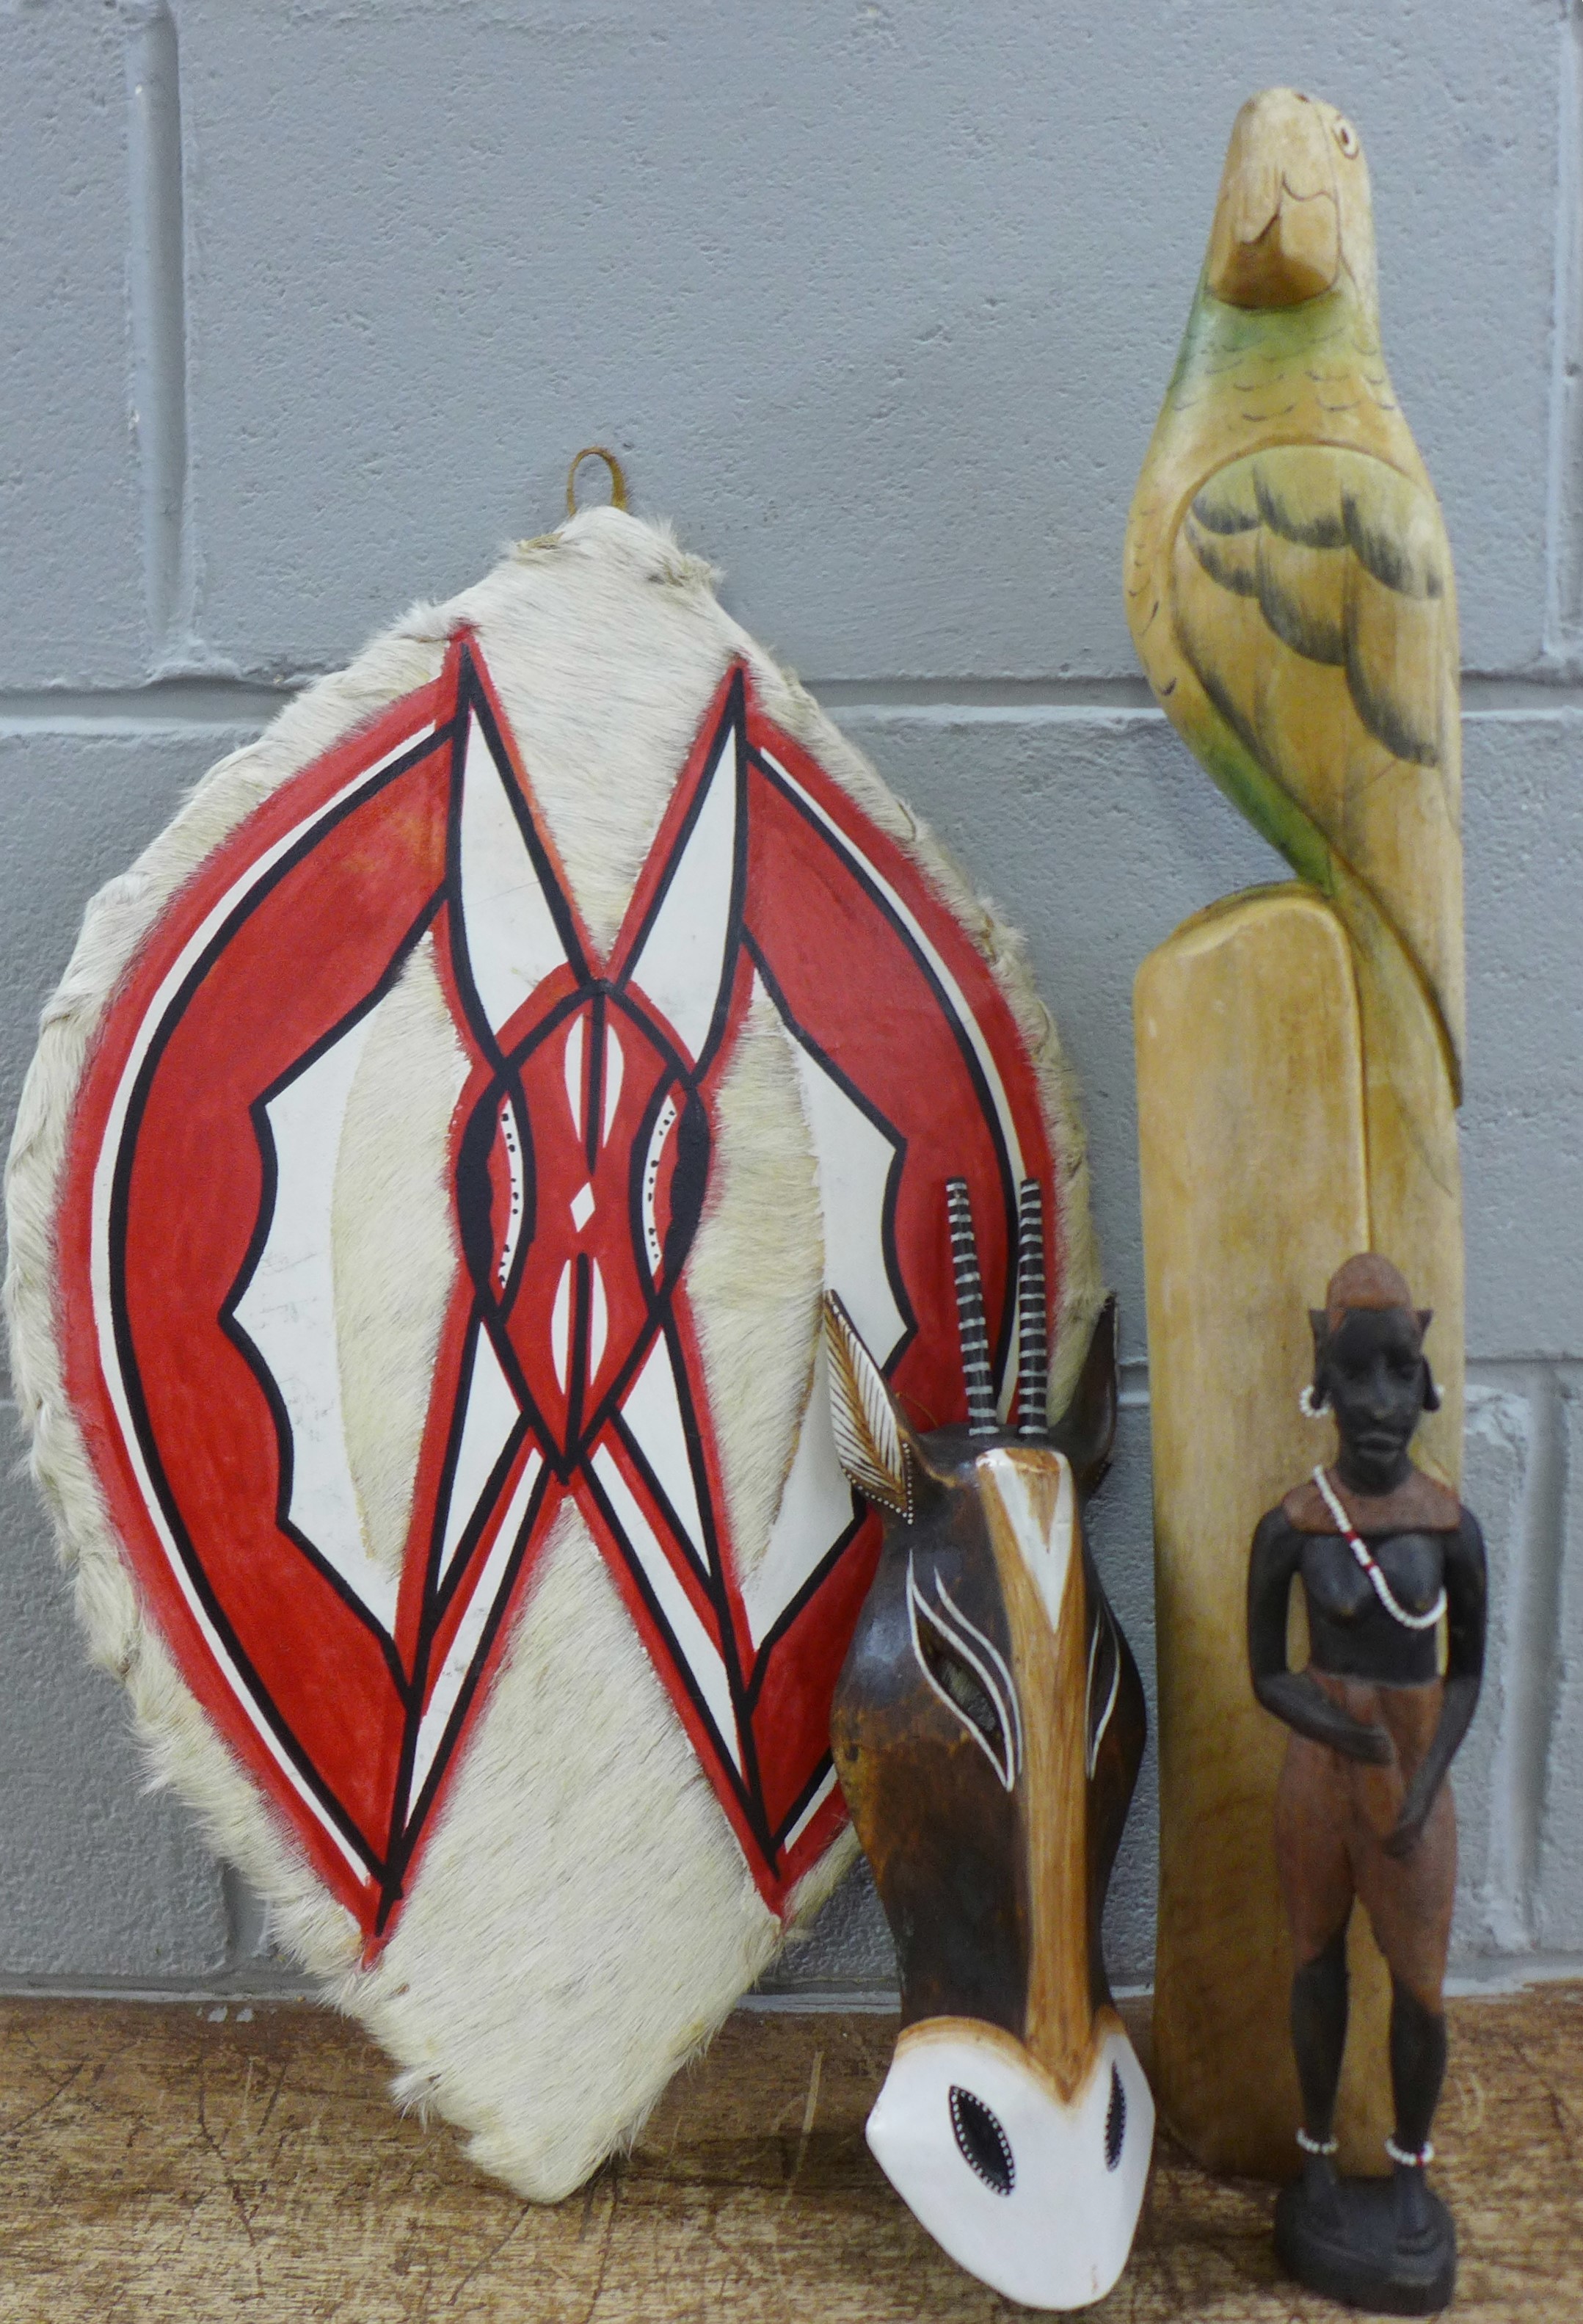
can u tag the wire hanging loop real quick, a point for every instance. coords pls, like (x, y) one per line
(618, 477)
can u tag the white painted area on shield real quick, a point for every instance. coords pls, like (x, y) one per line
(1047, 1543)
(853, 1159)
(1059, 2236)
(511, 939)
(560, 1324)
(288, 1312)
(681, 962)
(489, 1413)
(615, 1068)
(652, 1412)
(458, 1662)
(598, 1317)
(694, 1643)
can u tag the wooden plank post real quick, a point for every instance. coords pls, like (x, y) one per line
(1254, 1187)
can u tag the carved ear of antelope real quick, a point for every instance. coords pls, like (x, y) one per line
(871, 1437)
(986, 1731)
(1086, 1430)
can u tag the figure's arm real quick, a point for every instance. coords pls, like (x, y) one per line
(1293, 1695)
(1465, 1593)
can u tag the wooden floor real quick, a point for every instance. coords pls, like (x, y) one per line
(161, 2162)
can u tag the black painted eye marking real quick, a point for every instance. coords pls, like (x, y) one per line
(1115, 2121)
(984, 2145)
(969, 1673)
(949, 1672)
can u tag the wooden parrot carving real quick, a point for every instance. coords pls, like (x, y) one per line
(1290, 592)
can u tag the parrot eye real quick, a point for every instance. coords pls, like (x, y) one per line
(1347, 138)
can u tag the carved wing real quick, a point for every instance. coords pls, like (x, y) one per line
(1312, 594)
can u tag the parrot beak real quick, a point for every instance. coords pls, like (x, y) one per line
(1276, 238)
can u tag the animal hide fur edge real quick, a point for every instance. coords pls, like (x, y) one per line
(583, 1919)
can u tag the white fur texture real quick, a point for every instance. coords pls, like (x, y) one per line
(583, 1918)
(755, 1275)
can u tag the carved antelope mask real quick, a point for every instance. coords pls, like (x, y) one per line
(988, 1728)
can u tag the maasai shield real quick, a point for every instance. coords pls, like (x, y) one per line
(421, 1207)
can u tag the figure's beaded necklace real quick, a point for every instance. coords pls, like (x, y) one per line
(1382, 1588)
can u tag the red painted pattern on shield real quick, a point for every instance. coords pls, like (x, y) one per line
(196, 1253)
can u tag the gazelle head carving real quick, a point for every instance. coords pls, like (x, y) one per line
(988, 1728)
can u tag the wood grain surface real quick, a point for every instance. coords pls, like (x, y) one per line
(172, 2162)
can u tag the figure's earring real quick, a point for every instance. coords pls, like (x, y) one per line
(1314, 1400)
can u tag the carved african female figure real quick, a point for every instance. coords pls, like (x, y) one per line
(1364, 1813)
(988, 1728)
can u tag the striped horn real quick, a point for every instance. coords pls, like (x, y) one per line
(1032, 1328)
(983, 1418)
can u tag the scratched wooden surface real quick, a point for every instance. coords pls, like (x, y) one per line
(156, 2163)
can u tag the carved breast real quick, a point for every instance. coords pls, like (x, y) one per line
(1337, 1585)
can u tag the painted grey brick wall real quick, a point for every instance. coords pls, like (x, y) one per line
(302, 312)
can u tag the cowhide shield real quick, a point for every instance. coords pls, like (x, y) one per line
(421, 1207)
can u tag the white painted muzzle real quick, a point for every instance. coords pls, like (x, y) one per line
(1036, 2195)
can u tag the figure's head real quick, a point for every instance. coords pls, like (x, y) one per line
(1370, 1366)
(1293, 213)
